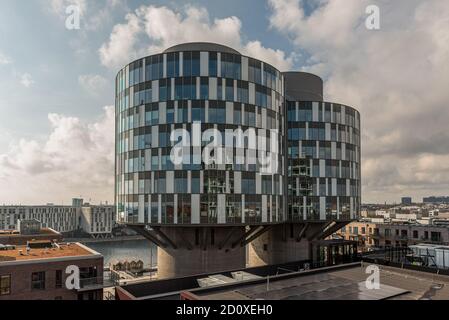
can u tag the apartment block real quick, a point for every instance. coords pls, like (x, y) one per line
(95, 220)
(379, 235)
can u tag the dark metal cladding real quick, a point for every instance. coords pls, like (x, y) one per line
(303, 86)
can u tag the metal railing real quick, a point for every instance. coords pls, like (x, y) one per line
(96, 282)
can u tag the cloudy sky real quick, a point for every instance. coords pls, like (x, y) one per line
(56, 85)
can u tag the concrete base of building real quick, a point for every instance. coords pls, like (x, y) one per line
(284, 243)
(201, 250)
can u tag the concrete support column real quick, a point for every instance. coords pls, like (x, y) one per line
(201, 250)
(281, 245)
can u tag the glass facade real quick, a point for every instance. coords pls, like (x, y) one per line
(323, 161)
(220, 90)
(318, 177)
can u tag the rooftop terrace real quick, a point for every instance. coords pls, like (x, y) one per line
(62, 251)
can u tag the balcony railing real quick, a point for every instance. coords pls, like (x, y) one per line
(96, 283)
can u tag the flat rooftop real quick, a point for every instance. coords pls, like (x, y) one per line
(334, 283)
(15, 233)
(64, 250)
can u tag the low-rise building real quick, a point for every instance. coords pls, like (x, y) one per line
(38, 272)
(97, 221)
(370, 234)
(59, 218)
(364, 232)
(15, 237)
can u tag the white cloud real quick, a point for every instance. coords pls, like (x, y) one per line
(4, 59)
(92, 83)
(26, 80)
(397, 77)
(76, 158)
(121, 43)
(161, 27)
(104, 14)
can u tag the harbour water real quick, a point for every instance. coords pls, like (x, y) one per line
(121, 250)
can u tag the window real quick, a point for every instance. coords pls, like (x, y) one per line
(195, 184)
(254, 71)
(198, 111)
(230, 66)
(415, 234)
(229, 90)
(5, 285)
(191, 64)
(173, 65)
(184, 208)
(180, 182)
(435, 236)
(58, 280)
(213, 64)
(170, 117)
(204, 89)
(217, 112)
(164, 90)
(38, 280)
(248, 183)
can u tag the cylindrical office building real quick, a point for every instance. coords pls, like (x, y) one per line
(322, 173)
(217, 152)
(201, 215)
(324, 144)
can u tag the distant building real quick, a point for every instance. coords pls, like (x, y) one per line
(98, 221)
(28, 227)
(370, 234)
(77, 203)
(40, 273)
(91, 219)
(436, 200)
(406, 200)
(15, 237)
(59, 218)
(365, 233)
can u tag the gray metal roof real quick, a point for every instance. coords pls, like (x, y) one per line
(201, 46)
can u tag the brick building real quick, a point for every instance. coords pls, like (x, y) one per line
(39, 273)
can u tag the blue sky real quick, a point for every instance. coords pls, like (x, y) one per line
(36, 40)
(56, 84)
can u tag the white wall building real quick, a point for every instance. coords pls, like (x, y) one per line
(98, 221)
(93, 220)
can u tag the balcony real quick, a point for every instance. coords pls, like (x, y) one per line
(89, 284)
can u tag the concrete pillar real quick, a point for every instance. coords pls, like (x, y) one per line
(280, 245)
(198, 251)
